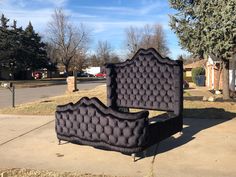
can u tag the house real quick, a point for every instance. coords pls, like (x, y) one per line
(212, 73)
(188, 68)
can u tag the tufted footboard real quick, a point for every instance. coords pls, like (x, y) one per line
(147, 81)
(90, 122)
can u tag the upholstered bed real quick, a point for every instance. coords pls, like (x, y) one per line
(148, 82)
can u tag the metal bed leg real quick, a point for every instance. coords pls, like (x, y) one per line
(59, 142)
(133, 155)
(144, 153)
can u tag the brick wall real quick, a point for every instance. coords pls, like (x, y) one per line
(216, 71)
(209, 82)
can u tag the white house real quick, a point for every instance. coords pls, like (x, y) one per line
(212, 69)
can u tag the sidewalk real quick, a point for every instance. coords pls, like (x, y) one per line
(206, 148)
(15, 126)
(199, 91)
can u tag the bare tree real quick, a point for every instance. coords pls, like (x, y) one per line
(187, 59)
(93, 60)
(146, 37)
(68, 39)
(79, 61)
(133, 39)
(114, 58)
(159, 40)
(103, 52)
(52, 53)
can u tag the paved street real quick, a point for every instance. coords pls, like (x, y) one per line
(24, 95)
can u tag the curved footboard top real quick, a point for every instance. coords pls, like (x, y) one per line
(90, 122)
(101, 107)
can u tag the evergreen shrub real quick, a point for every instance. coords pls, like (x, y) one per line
(196, 72)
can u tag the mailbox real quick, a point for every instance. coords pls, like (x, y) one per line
(11, 87)
(6, 84)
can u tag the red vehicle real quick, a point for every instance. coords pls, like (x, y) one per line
(37, 75)
(100, 75)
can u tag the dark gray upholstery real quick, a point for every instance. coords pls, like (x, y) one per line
(147, 81)
(90, 122)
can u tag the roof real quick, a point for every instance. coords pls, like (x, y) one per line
(195, 64)
(214, 58)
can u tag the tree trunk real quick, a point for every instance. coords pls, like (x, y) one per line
(67, 69)
(226, 79)
(218, 76)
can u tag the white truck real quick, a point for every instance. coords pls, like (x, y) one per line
(93, 70)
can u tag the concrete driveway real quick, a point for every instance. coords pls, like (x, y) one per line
(206, 148)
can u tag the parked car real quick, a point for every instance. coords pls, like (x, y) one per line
(37, 75)
(63, 74)
(84, 74)
(100, 75)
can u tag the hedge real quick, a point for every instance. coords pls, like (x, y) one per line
(196, 72)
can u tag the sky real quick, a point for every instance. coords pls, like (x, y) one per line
(107, 19)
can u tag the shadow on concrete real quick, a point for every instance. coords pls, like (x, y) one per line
(92, 81)
(201, 119)
(193, 98)
(200, 98)
(46, 101)
(208, 113)
(190, 88)
(232, 100)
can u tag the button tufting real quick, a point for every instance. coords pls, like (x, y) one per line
(145, 82)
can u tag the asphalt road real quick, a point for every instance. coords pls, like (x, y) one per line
(23, 95)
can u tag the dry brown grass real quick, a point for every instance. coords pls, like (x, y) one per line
(44, 173)
(47, 106)
(192, 109)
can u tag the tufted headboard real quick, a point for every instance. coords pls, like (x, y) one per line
(147, 81)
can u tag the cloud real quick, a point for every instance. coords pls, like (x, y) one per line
(151, 7)
(114, 27)
(146, 9)
(107, 22)
(28, 4)
(41, 16)
(55, 3)
(13, 3)
(177, 51)
(38, 17)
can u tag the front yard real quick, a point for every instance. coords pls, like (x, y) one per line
(193, 108)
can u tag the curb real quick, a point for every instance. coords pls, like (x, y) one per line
(35, 84)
